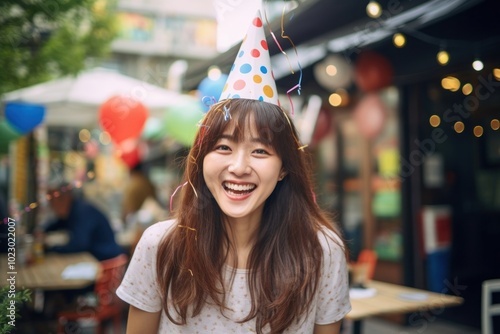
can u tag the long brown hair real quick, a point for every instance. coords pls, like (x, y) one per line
(285, 262)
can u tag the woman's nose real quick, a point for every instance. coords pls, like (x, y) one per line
(239, 164)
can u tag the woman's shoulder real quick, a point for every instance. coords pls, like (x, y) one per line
(330, 241)
(334, 250)
(157, 231)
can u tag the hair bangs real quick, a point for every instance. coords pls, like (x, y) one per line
(242, 115)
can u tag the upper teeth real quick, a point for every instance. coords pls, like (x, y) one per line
(239, 187)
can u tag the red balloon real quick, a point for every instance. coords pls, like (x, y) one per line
(370, 115)
(373, 71)
(130, 152)
(123, 118)
(131, 158)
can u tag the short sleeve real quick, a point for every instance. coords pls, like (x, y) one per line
(139, 286)
(333, 295)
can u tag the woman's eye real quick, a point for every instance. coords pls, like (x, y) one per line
(222, 148)
(261, 151)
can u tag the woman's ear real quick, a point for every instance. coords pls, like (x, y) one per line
(283, 173)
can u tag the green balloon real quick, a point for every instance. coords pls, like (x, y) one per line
(153, 129)
(7, 134)
(181, 121)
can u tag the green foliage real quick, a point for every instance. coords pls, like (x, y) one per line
(44, 39)
(11, 301)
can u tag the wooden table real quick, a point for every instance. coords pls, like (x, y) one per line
(388, 299)
(47, 275)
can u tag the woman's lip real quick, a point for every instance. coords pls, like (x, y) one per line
(238, 197)
(237, 182)
(235, 197)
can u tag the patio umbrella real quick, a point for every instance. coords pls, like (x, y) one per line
(75, 101)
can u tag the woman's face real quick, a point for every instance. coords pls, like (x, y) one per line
(241, 175)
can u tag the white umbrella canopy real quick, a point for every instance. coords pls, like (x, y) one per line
(75, 101)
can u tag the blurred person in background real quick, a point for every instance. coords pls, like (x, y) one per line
(89, 230)
(137, 190)
(140, 206)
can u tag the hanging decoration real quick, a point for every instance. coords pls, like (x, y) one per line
(333, 72)
(24, 117)
(123, 118)
(298, 86)
(370, 115)
(373, 71)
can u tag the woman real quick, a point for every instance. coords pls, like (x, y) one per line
(249, 250)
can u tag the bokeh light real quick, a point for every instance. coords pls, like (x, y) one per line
(467, 89)
(399, 40)
(459, 127)
(104, 138)
(84, 135)
(477, 65)
(335, 99)
(331, 70)
(214, 73)
(435, 120)
(478, 131)
(496, 73)
(373, 9)
(495, 124)
(443, 57)
(450, 83)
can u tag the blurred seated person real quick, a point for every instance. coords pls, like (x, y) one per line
(88, 228)
(138, 189)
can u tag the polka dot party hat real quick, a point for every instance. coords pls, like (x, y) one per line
(251, 76)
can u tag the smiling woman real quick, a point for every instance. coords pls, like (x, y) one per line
(249, 249)
(249, 246)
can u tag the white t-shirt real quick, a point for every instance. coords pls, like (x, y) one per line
(139, 288)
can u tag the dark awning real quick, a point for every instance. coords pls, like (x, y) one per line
(319, 27)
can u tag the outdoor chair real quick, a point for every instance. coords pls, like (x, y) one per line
(107, 305)
(368, 257)
(489, 308)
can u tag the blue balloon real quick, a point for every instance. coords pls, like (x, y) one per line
(210, 90)
(24, 117)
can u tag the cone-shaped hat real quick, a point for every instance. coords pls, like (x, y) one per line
(251, 76)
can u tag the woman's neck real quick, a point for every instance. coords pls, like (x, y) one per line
(242, 235)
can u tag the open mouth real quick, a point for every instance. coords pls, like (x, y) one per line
(238, 189)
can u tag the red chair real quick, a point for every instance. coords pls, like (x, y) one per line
(108, 305)
(368, 257)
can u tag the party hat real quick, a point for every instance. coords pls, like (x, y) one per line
(251, 76)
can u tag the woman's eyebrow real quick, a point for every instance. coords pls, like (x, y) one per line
(233, 138)
(228, 137)
(259, 141)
